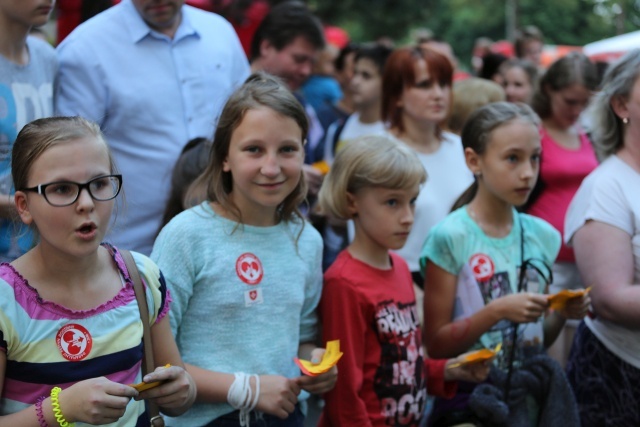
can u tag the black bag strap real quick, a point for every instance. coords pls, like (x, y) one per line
(147, 348)
(524, 265)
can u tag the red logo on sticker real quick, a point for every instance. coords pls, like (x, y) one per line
(482, 266)
(253, 295)
(74, 342)
(249, 269)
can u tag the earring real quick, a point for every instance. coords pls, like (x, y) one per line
(625, 120)
(477, 174)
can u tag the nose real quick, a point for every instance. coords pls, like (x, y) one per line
(438, 90)
(85, 201)
(407, 214)
(270, 166)
(529, 171)
(353, 83)
(305, 69)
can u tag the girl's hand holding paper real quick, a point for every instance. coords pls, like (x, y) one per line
(571, 304)
(321, 373)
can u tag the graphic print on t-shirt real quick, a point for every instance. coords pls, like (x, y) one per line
(482, 266)
(249, 268)
(399, 380)
(529, 338)
(74, 342)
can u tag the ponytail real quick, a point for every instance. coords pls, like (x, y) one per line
(466, 197)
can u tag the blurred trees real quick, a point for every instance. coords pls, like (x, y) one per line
(460, 22)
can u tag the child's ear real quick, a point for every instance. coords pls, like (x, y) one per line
(473, 160)
(225, 165)
(20, 200)
(352, 205)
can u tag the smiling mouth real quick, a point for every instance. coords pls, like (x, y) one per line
(271, 184)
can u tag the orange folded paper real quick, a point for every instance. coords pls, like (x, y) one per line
(478, 356)
(322, 166)
(142, 386)
(559, 301)
(329, 360)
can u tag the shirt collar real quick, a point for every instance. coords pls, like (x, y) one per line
(139, 29)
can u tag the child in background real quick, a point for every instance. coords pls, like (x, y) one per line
(529, 44)
(366, 91)
(321, 88)
(28, 68)
(68, 313)
(366, 95)
(245, 269)
(519, 79)
(469, 95)
(368, 301)
(471, 259)
(191, 163)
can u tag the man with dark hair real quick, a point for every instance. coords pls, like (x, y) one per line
(287, 43)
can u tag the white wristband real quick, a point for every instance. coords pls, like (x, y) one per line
(242, 397)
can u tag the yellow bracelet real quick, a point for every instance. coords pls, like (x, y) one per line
(56, 408)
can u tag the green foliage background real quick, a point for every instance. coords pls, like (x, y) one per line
(460, 22)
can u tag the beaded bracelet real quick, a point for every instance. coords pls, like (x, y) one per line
(41, 420)
(56, 408)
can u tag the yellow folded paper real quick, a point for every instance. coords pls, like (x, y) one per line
(559, 301)
(478, 356)
(142, 386)
(331, 356)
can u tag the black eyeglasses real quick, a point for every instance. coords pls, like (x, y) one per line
(65, 193)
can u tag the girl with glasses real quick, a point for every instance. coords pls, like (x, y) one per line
(69, 320)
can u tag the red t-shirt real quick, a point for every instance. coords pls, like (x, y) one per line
(381, 376)
(562, 171)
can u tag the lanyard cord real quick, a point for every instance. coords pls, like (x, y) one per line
(524, 265)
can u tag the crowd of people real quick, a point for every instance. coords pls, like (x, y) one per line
(307, 191)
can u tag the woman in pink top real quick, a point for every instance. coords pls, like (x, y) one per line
(567, 158)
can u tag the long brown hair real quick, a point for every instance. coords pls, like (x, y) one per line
(259, 90)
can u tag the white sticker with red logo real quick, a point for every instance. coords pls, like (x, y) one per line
(249, 268)
(252, 297)
(74, 342)
(482, 267)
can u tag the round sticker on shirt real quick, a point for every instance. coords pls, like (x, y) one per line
(249, 269)
(482, 267)
(74, 342)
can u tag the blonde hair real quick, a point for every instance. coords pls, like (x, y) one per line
(372, 161)
(469, 95)
(38, 136)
